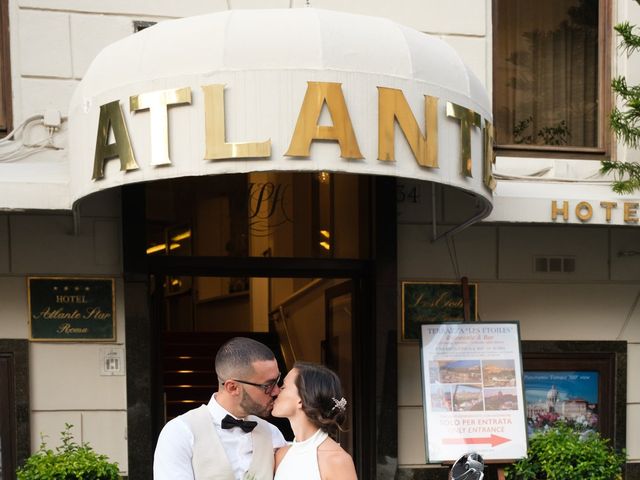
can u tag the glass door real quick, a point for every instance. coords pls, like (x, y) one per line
(338, 348)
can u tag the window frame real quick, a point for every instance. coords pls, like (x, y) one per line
(604, 149)
(5, 69)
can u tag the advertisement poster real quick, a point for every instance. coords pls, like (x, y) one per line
(567, 396)
(472, 391)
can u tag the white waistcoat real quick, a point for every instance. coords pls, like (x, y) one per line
(209, 460)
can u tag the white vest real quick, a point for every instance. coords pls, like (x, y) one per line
(210, 461)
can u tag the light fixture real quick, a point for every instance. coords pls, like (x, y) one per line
(325, 245)
(156, 248)
(173, 246)
(324, 177)
(182, 236)
(325, 233)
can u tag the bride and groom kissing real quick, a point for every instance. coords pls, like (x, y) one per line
(228, 440)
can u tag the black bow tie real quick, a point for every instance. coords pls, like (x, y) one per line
(245, 425)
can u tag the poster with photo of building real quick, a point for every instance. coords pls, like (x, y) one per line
(567, 396)
(472, 391)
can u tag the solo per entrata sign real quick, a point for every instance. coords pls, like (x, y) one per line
(72, 309)
(472, 391)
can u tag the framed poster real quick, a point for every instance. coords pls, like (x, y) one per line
(472, 391)
(578, 382)
(433, 302)
(72, 309)
(570, 396)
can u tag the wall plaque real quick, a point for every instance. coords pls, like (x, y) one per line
(72, 309)
(429, 302)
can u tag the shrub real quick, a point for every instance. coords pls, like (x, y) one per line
(562, 453)
(69, 461)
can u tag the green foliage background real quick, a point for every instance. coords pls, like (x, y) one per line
(562, 453)
(625, 121)
(70, 461)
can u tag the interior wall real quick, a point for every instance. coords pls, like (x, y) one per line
(44, 244)
(596, 302)
(305, 319)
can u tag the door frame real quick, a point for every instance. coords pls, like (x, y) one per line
(360, 281)
(375, 284)
(16, 354)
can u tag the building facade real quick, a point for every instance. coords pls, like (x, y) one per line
(316, 260)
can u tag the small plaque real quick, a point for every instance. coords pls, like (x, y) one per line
(433, 302)
(112, 361)
(72, 309)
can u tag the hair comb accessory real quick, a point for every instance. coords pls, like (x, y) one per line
(341, 404)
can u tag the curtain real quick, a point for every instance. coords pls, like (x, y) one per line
(546, 72)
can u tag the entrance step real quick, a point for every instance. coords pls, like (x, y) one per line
(189, 377)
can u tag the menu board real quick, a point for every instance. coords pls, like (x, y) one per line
(473, 391)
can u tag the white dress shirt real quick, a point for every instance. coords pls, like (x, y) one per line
(172, 458)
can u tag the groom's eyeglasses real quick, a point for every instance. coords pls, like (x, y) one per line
(267, 388)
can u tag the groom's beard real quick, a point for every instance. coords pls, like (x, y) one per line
(254, 408)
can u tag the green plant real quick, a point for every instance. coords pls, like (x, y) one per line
(625, 121)
(69, 461)
(562, 453)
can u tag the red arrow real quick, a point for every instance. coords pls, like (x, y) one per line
(493, 440)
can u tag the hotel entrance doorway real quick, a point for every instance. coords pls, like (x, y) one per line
(300, 319)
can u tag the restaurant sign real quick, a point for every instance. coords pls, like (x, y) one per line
(72, 309)
(472, 391)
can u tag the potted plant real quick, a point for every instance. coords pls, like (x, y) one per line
(561, 453)
(69, 461)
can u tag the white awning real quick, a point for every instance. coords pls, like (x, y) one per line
(272, 65)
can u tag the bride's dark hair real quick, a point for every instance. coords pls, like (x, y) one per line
(321, 394)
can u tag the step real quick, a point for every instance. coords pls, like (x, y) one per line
(180, 392)
(190, 377)
(189, 362)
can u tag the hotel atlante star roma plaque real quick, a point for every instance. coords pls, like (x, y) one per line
(72, 309)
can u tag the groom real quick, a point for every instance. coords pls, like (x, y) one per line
(226, 439)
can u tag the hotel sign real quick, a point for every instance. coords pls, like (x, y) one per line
(72, 309)
(294, 90)
(583, 211)
(393, 110)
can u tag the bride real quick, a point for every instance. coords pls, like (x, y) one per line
(311, 398)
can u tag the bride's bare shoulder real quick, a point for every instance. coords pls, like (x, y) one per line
(280, 453)
(334, 462)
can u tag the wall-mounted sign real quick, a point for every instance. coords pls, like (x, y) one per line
(584, 211)
(72, 309)
(472, 391)
(426, 302)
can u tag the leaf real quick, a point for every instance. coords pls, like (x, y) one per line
(69, 461)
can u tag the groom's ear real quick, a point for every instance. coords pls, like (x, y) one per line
(230, 387)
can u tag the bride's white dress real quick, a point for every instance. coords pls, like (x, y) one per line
(301, 460)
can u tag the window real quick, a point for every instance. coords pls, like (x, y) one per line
(5, 70)
(551, 84)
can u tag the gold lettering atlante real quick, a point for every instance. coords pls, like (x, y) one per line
(393, 109)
